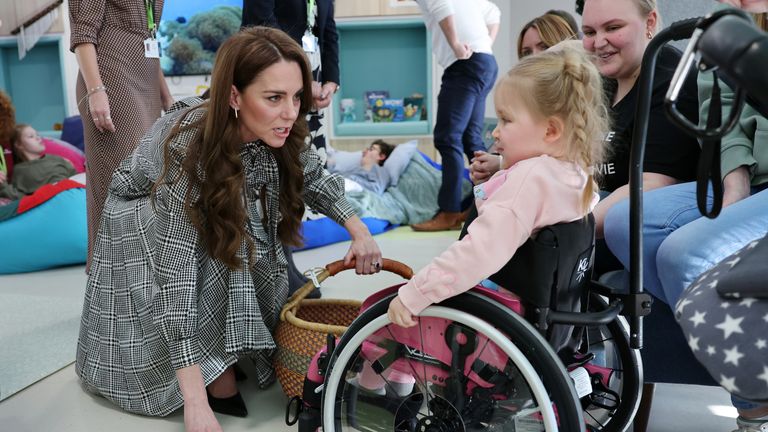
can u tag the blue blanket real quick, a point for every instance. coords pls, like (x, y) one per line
(413, 200)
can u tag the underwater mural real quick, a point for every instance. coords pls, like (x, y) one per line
(192, 30)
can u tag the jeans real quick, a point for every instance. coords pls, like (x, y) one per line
(459, 121)
(679, 243)
(743, 404)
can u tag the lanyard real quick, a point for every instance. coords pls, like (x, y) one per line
(3, 166)
(310, 14)
(150, 17)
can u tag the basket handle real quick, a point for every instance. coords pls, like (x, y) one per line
(336, 267)
(389, 265)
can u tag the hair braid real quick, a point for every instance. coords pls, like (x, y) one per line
(563, 82)
(586, 127)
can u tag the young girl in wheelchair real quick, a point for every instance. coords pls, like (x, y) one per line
(456, 367)
(552, 123)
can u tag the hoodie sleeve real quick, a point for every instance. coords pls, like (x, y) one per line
(536, 193)
(509, 214)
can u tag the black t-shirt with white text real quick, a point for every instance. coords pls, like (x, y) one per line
(668, 149)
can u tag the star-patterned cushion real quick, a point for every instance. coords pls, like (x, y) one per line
(729, 335)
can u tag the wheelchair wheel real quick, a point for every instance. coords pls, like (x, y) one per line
(455, 371)
(616, 371)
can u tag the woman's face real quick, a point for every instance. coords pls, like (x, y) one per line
(532, 43)
(269, 106)
(616, 32)
(30, 142)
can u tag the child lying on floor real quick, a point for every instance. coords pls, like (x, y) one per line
(369, 173)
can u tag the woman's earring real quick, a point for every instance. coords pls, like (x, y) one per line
(235, 112)
(650, 35)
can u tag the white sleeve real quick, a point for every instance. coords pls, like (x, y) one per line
(437, 9)
(490, 11)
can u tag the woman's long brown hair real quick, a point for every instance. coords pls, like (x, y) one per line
(212, 161)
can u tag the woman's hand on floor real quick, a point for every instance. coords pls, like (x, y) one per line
(200, 418)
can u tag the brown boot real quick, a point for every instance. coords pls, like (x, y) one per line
(441, 222)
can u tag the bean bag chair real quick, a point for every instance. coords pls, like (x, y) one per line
(67, 151)
(44, 230)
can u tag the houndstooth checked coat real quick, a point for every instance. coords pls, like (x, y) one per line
(156, 302)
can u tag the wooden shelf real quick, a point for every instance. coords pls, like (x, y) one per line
(382, 129)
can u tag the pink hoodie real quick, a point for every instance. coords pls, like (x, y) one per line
(513, 205)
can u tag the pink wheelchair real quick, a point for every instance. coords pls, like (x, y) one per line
(557, 358)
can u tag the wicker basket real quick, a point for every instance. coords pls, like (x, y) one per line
(305, 324)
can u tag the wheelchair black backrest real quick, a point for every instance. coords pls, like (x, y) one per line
(551, 270)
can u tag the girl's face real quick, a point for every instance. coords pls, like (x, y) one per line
(269, 106)
(532, 43)
(519, 135)
(30, 142)
(617, 34)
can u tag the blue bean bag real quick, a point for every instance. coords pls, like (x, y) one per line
(50, 235)
(324, 231)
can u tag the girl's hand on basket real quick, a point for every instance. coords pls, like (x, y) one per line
(399, 314)
(364, 249)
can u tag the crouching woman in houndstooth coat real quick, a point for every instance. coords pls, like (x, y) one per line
(188, 271)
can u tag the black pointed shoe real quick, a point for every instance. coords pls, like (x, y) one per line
(233, 405)
(240, 375)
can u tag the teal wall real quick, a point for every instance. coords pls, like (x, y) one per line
(35, 84)
(387, 55)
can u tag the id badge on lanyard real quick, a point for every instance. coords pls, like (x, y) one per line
(151, 44)
(309, 41)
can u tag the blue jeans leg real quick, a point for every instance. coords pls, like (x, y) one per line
(698, 246)
(472, 139)
(664, 211)
(743, 404)
(465, 84)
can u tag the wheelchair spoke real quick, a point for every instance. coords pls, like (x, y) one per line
(427, 390)
(421, 379)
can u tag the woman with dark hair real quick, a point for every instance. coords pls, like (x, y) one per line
(188, 271)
